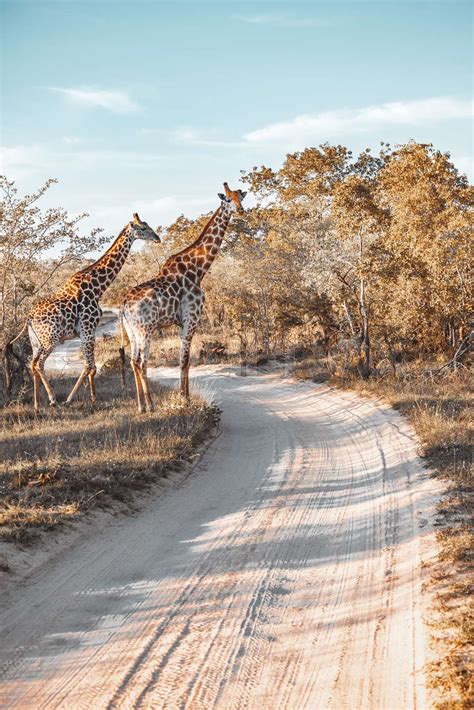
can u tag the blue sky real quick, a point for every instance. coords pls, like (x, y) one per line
(152, 105)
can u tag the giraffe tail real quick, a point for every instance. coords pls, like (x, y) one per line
(17, 337)
(122, 350)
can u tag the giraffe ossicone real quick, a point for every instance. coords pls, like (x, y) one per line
(174, 297)
(74, 311)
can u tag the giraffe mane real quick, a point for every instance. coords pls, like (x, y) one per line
(185, 250)
(106, 253)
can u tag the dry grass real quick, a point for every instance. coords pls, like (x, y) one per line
(165, 349)
(441, 412)
(63, 461)
(311, 368)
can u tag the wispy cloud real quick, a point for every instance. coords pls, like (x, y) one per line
(42, 160)
(178, 204)
(22, 160)
(189, 136)
(115, 101)
(162, 210)
(72, 140)
(313, 127)
(279, 20)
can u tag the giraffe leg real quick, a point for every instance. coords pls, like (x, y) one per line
(89, 367)
(135, 363)
(36, 391)
(146, 388)
(78, 383)
(185, 381)
(91, 377)
(39, 374)
(40, 354)
(187, 333)
(144, 355)
(138, 385)
(36, 385)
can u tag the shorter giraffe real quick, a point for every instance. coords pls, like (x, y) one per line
(74, 311)
(174, 297)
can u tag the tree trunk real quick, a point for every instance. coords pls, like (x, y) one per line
(349, 318)
(243, 353)
(266, 326)
(15, 374)
(364, 366)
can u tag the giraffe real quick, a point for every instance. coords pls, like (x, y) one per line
(74, 311)
(174, 297)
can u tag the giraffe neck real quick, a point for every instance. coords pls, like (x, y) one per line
(198, 257)
(105, 269)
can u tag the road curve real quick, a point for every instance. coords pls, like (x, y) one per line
(284, 572)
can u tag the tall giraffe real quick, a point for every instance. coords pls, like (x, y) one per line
(74, 310)
(174, 297)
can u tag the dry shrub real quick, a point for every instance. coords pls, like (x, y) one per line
(212, 351)
(312, 368)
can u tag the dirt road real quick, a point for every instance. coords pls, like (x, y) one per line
(284, 572)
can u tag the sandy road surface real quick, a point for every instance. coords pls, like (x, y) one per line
(283, 573)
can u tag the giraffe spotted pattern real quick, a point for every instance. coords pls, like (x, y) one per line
(175, 297)
(74, 310)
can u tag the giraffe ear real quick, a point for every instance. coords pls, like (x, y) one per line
(221, 196)
(242, 194)
(136, 218)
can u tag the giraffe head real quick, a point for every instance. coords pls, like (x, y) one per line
(233, 198)
(142, 230)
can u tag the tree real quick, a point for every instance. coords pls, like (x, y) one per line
(359, 221)
(430, 236)
(386, 238)
(28, 236)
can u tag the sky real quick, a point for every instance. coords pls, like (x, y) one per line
(148, 105)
